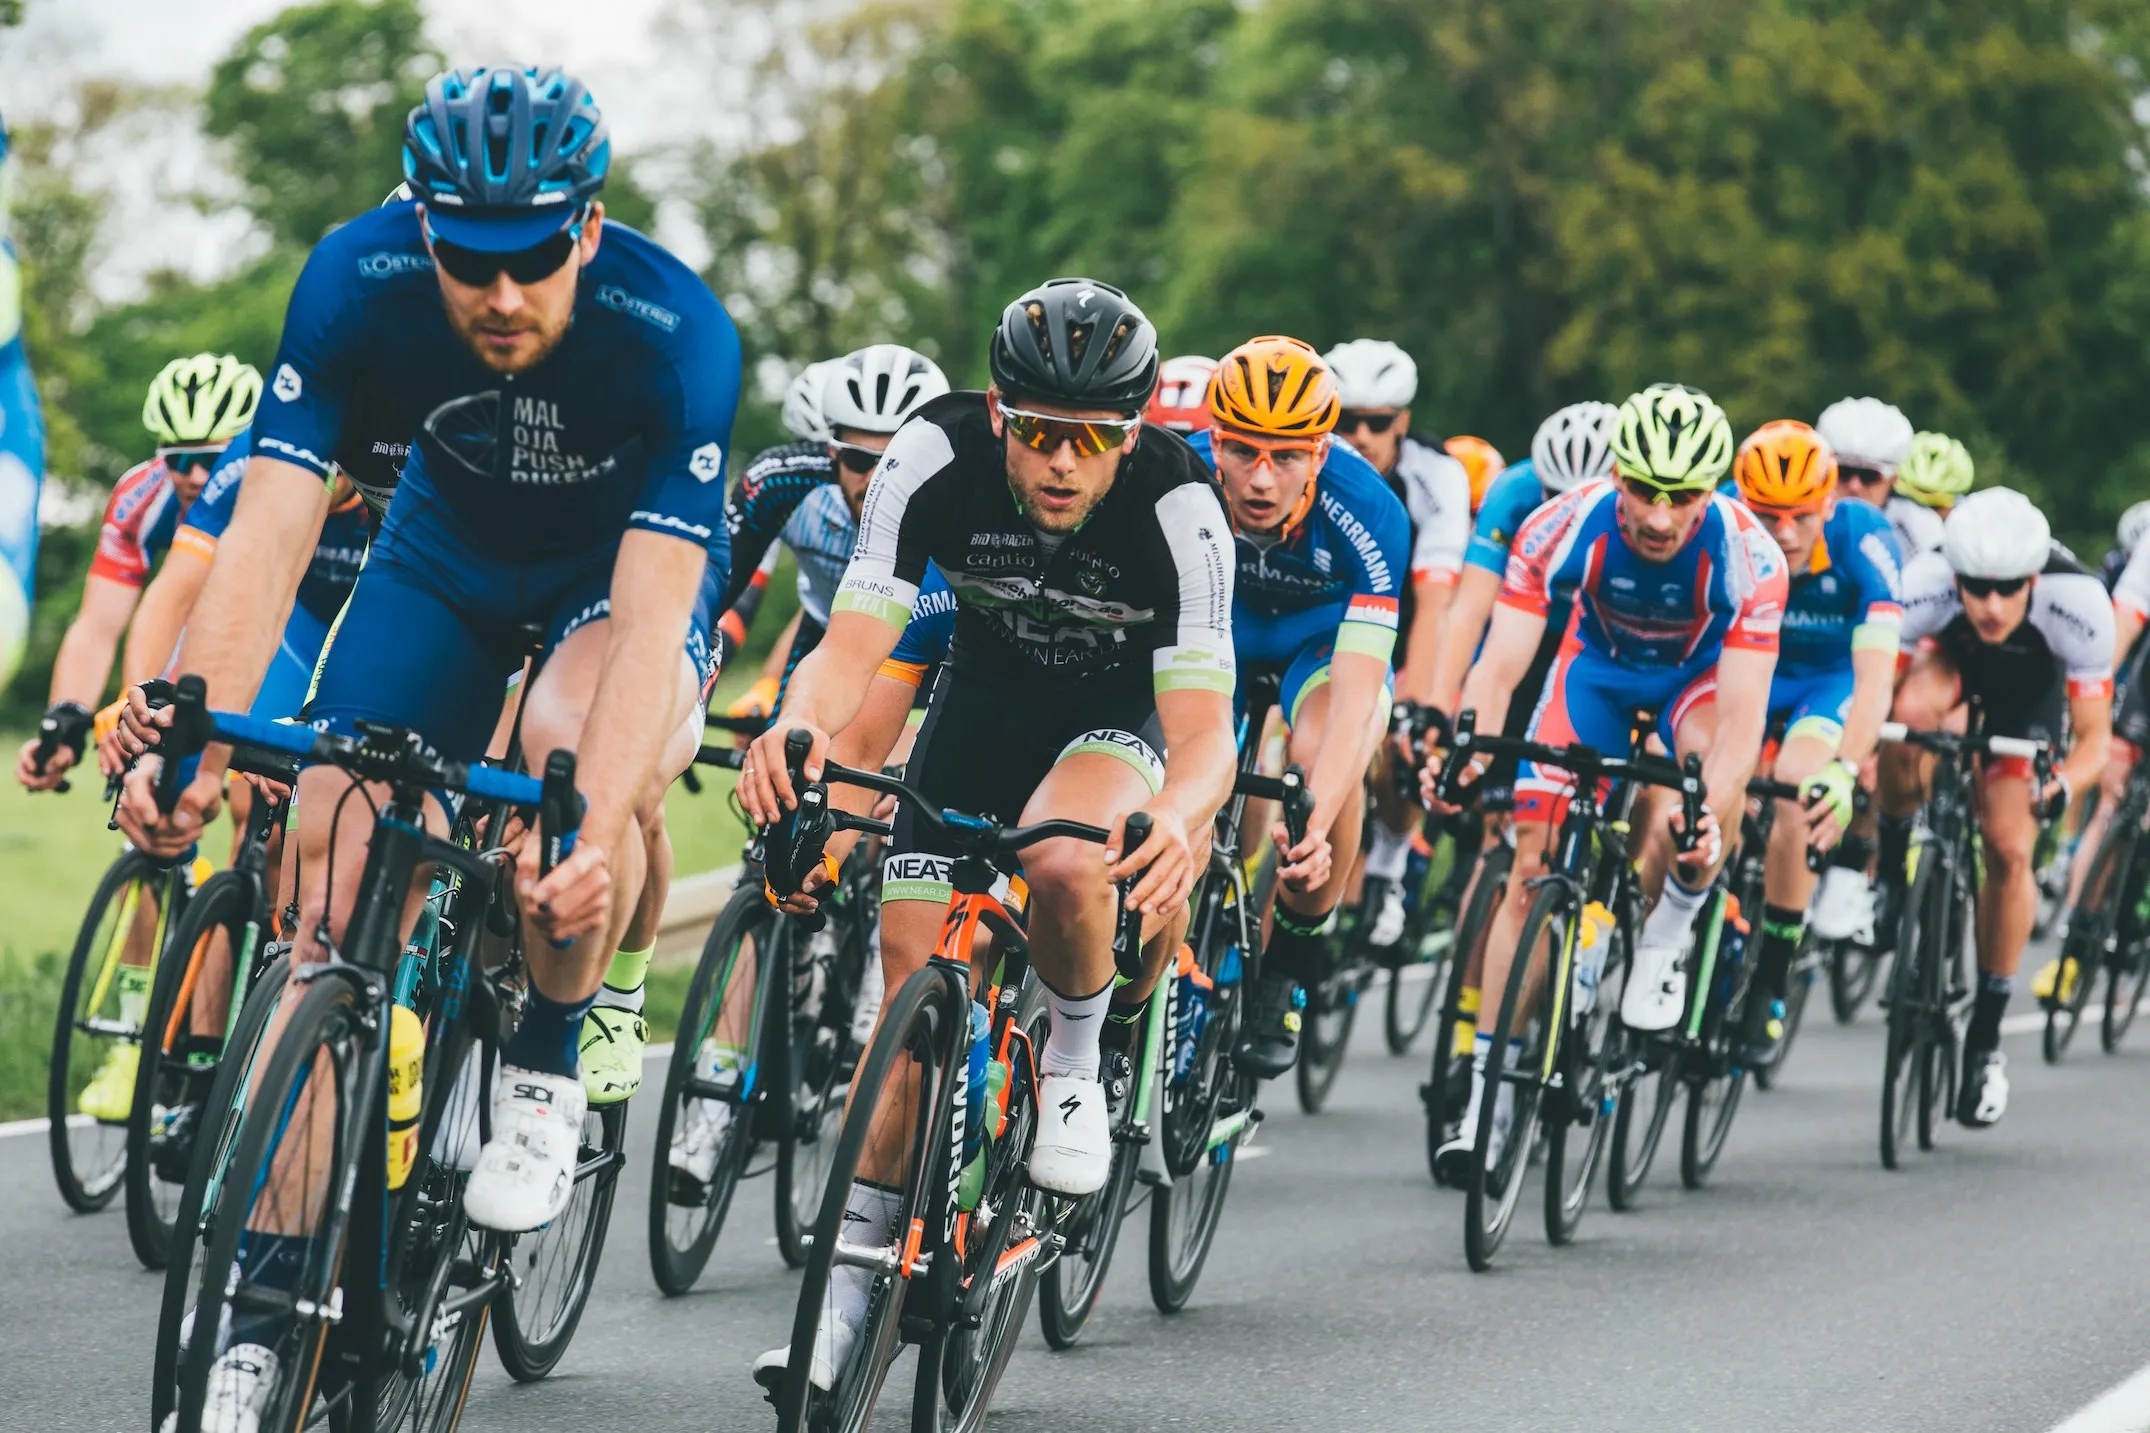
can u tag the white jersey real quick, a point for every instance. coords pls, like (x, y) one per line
(2132, 589)
(2069, 612)
(1436, 492)
(1918, 527)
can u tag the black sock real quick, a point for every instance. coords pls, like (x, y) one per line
(271, 1261)
(1986, 1012)
(1895, 847)
(1781, 930)
(1296, 945)
(549, 1037)
(1852, 853)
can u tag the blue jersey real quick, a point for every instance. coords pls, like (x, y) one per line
(339, 552)
(1850, 597)
(1338, 572)
(623, 425)
(1510, 501)
(933, 623)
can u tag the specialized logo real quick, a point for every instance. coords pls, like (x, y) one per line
(613, 297)
(287, 385)
(707, 464)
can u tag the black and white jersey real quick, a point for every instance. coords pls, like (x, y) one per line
(2069, 627)
(1148, 578)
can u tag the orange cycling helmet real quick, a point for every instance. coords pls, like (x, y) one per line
(1786, 465)
(1275, 387)
(1481, 460)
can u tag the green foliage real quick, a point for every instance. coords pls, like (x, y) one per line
(313, 102)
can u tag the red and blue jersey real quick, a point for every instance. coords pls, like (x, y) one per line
(1726, 587)
(140, 518)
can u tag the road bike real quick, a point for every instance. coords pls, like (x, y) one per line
(2108, 927)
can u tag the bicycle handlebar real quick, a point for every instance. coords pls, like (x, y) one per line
(1949, 743)
(1585, 763)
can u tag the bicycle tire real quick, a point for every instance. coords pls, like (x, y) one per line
(89, 1159)
(1646, 1096)
(679, 1252)
(2089, 932)
(1717, 1077)
(822, 1057)
(329, 1014)
(1491, 1196)
(1799, 987)
(1854, 970)
(921, 1021)
(1904, 1052)
(224, 901)
(1332, 1009)
(530, 1346)
(1587, 1078)
(2129, 972)
(1440, 1094)
(1070, 1286)
(1183, 1226)
(212, 1150)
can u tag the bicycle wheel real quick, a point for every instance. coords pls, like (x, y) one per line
(1448, 1084)
(2083, 952)
(1332, 1007)
(1853, 972)
(557, 1264)
(916, 1062)
(1183, 1224)
(1799, 985)
(1410, 1000)
(199, 1197)
(1716, 1075)
(1589, 1058)
(1905, 1057)
(1070, 1285)
(176, 1068)
(277, 1288)
(103, 1004)
(822, 1058)
(1491, 1194)
(687, 1214)
(1640, 1116)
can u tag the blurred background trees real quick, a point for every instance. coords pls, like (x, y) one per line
(1941, 202)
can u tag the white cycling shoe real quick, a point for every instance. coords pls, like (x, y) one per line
(1072, 1153)
(1843, 907)
(1389, 920)
(1656, 992)
(526, 1172)
(241, 1383)
(702, 1127)
(833, 1342)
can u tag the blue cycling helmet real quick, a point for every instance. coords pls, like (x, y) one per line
(505, 157)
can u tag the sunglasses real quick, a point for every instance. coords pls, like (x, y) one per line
(476, 268)
(1773, 516)
(1284, 457)
(1045, 432)
(854, 457)
(1350, 421)
(1648, 492)
(1847, 473)
(1989, 586)
(189, 460)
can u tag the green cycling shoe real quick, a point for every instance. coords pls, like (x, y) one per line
(612, 1042)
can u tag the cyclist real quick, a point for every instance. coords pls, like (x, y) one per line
(1836, 670)
(1934, 474)
(194, 407)
(807, 494)
(1376, 382)
(1572, 446)
(2005, 617)
(570, 386)
(1092, 571)
(1871, 439)
(1677, 597)
(1481, 460)
(1181, 401)
(2127, 536)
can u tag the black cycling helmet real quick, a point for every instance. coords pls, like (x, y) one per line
(1078, 342)
(515, 151)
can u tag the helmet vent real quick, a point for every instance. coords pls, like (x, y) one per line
(1079, 342)
(1040, 330)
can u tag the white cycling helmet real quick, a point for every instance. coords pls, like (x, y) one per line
(802, 403)
(1866, 432)
(2134, 524)
(1372, 373)
(1574, 446)
(876, 388)
(1997, 534)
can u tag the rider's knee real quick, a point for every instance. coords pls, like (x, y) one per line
(2009, 850)
(1063, 875)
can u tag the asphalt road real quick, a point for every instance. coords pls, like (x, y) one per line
(1994, 1284)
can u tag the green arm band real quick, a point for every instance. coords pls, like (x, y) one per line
(1875, 637)
(1367, 640)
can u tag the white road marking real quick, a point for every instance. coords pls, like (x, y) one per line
(2123, 1408)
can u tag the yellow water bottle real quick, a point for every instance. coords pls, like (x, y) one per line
(1593, 938)
(406, 1095)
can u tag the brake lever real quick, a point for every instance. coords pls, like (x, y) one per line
(1127, 940)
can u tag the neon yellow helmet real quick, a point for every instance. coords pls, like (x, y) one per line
(1936, 472)
(203, 399)
(1672, 437)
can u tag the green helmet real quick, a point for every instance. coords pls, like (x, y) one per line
(204, 399)
(1672, 437)
(1936, 471)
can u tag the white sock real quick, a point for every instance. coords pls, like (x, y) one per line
(1071, 1045)
(1674, 916)
(1386, 852)
(1481, 1056)
(869, 1222)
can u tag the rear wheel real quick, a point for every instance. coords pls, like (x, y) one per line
(557, 1265)
(1640, 1118)
(1579, 1122)
(1853, 970)
(104, 1002)
(822, 1058)
(1448, 1086)
(1415, 983)
(1332, 1007)
(1799, 985)
(1493, 1188)
(1907, 1058)
(1183, 1225)
(1070, 1286)
(1716, 1067)
(2083, 953)
(2129, 970)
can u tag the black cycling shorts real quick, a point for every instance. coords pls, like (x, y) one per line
(2023, 694)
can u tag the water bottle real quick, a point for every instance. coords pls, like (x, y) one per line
(406, 1097)
(981, 1025)
(1228, 967)
(1592, 940)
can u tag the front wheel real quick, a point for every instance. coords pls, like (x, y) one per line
(1643, 1111)
(1332, 1007)
(1493, 1185)
(1448, 1084)
(1580, 1121)
(1853, 971)
(557, 1265)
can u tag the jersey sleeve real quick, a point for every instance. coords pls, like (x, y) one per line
(895, 524)
(2078, 625)
(1377, 535)
(1764, 586)
(308, 396)
(1440, 492)
(205, 521)
(1514, 496)
(930, 631)
(756, 514)
(1527, 579)
(1930, 598)
(1194, 651)
(1875, 565)
(689, 431)
(2131, 591)
(122, 548)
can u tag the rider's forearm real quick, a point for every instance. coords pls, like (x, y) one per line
(1351, 734)
(772, 666)
(1462, 625)
(2091, 722)
(829, 687)
(1742, 721)
(153, 636)
(2127, 626)
(1201, 758)
(1431, 601)
(654, 583)
(1873, 684)
(84, 661)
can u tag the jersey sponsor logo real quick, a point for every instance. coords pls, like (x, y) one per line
(918, 866)
(707, 464)
(1361, 540)
(1765, 560)
(1002, 539)
(1876, 551)
(393, 265)
(287, 386)
(304, 456)
(669, 523)
(613, 297)
(1374, 611)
